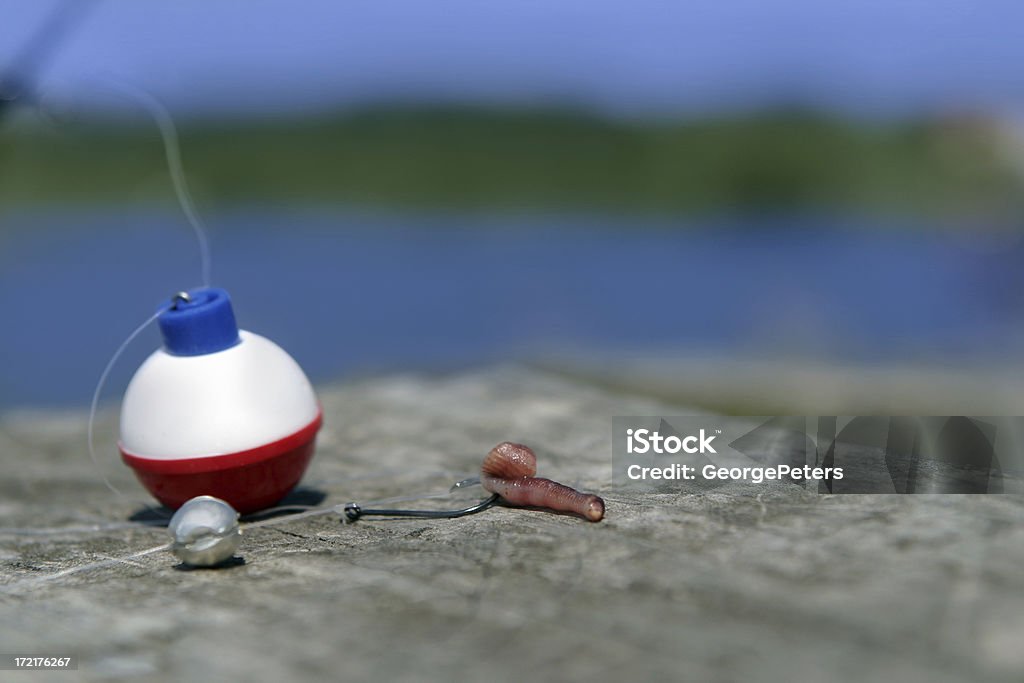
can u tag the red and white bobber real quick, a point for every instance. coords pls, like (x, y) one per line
(217, 411)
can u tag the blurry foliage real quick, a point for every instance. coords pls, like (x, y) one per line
(500, 159)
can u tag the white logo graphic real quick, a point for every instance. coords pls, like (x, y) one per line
(646, 441)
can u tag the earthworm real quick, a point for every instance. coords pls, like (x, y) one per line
(508, 471)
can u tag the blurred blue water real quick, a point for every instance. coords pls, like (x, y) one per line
(351, 292)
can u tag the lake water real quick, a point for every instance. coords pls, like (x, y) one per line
(352, 292)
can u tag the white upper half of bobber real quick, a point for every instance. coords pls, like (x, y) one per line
(244, 397)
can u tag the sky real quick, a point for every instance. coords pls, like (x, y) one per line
(641, 57)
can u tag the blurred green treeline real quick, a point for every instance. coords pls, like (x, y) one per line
(470, 158)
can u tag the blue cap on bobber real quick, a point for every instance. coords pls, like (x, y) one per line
(199, 322)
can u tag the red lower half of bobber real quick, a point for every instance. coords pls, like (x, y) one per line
(249, 480)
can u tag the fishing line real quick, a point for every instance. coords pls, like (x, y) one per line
(255, 520)
(38, 580)
(172, 151)
(313, 511)
(49, 110)
(99, 389)
(79, 530)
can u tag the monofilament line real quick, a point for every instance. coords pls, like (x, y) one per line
(99, 389)
(172, 150)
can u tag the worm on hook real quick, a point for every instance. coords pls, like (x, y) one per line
(508, 471)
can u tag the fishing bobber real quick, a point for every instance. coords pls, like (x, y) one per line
(217, 411)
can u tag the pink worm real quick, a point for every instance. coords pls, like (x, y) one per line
(508, 471)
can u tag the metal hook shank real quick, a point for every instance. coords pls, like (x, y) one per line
(354, 512)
